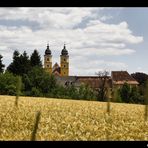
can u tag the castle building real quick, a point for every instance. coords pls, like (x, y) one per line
(63, 69)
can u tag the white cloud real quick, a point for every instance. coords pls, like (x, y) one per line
(90, 67)
(92, 41)
(104, 18)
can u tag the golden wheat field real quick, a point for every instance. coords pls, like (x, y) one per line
(63, 119)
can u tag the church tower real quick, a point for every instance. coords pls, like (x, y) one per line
(64, 62)
(48, 60)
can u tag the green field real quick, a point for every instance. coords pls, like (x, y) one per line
(63, 119)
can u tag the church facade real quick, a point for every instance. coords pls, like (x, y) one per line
(61, 73)
(63, 69)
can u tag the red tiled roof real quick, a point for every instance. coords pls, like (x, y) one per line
(120, 77)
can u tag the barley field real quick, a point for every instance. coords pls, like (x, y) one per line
(66, 120)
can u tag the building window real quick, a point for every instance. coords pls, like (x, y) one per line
(64, 65)
(64, 72)
(47, 59)
(64, 59)
(47, 65)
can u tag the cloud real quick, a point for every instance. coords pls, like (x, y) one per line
(48, 17)
(92, 66)
(31, 28)
(104, 18)
(141, 69)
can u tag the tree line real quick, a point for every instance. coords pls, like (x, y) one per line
(37, 82)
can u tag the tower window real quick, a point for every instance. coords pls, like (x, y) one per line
(64, 59)
(47, 59)
(64, 65)
(47, 65)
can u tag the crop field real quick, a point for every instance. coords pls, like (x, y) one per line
(63, 119)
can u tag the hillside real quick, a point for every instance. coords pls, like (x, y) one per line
(71, 120)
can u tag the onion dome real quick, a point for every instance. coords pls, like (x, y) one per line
(47, 51)
(64, 51)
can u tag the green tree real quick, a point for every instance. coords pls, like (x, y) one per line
(35, 92)
(8, 84)
(125, 93)
(1, 65)
(72, 92)
(135, 95)
(87, 93)
(116, 95)
(24, 64)
(38, 81)
(14, 67)
(35, 59)
(140, 77)
(20, 64)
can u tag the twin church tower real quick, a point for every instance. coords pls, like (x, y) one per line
(63, 69)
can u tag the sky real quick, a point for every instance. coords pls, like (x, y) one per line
(96, 38)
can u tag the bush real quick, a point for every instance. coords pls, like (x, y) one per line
(116, 95)
(131, 94)
(36, 92)
(8, 84)
(11, 89)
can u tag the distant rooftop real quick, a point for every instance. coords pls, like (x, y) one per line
(120, 77)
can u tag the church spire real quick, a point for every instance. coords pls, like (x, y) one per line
(64, 45)
(48, 51)
(64, 51)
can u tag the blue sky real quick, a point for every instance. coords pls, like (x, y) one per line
(97, 38)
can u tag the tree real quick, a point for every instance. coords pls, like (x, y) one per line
(8, 84)
(72, 92)
(1, 64)
(135, 95)
(35, 59)
(116, 95)
(140, 77)
(15, 65)
(38, 82)
(24, 64)
(20, 64)
(102, 91)
(125, 93)
(85, 92)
